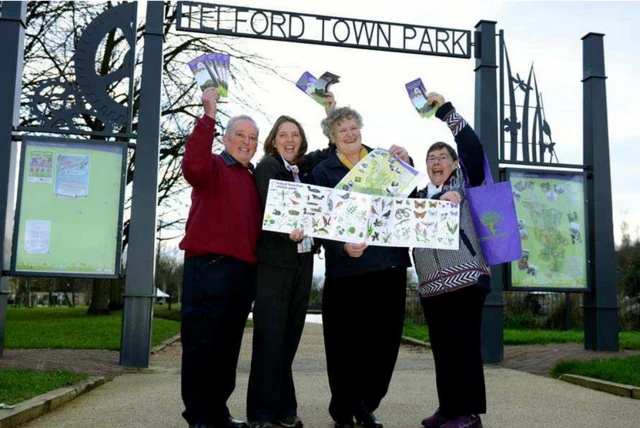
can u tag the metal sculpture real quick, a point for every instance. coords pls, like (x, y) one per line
(537, 142)
(59, 104)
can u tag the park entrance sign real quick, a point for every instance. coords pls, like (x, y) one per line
(322, 30)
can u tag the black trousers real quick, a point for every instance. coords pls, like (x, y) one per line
(362, 319)
(282, 297)
(454, 320)
(217, 293)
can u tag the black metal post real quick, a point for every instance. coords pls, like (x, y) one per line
(12, 26)
(140, 289)
(567, 311)
(501, 155)
(601, 302)
(486, 125)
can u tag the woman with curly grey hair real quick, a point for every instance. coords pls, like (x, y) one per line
(363, 296)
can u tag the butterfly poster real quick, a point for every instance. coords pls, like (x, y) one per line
(349, 216)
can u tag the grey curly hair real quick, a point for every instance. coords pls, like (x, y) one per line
(337, 116)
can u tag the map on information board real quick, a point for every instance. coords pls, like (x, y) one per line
(551, 217)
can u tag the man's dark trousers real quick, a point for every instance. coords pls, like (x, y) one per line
(217, 292)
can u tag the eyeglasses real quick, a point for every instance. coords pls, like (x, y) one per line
(439, 159)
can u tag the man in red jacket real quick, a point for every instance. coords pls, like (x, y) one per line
(219, 270)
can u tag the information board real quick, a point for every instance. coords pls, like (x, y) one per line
(551, 217)
(69, 214)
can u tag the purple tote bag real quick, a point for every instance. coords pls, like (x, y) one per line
(494, 217)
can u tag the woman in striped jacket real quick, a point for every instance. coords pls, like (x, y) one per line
(454, 283)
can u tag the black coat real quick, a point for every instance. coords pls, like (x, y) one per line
(338, 263)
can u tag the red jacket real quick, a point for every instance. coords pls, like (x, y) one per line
(225, 215)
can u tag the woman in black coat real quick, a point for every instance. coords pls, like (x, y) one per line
(283, 283)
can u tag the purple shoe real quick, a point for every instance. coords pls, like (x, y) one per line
(434, 421)
(469, 421)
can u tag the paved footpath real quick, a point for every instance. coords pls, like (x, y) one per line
(515, 398)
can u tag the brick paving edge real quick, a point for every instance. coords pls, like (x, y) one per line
(620, 389)
(160, 347)
(39, 405)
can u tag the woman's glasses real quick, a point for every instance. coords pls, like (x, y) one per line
(439, 159)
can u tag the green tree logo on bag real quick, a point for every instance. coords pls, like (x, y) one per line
(491, 219)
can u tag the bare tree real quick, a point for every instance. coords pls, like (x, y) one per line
(53, 30)
(169, 273)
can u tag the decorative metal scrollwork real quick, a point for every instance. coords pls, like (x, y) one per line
(58, 104)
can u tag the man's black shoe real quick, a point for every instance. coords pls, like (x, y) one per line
(344, 424)
(236, 423)
(367, 418)
(290, 422)
(261, 424)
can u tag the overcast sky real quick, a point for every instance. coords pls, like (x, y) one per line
(547, 34)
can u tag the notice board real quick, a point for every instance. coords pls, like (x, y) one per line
(551, 211)
(69, 210)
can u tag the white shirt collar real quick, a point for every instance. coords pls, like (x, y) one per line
(432, 189)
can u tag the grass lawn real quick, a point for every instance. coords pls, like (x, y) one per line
(17, 385)
(162, 311)
(620, 370)
(72, 328)
(416, 331)
(541, 337)
(628, 339)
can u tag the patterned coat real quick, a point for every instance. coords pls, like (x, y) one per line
(442, 271)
